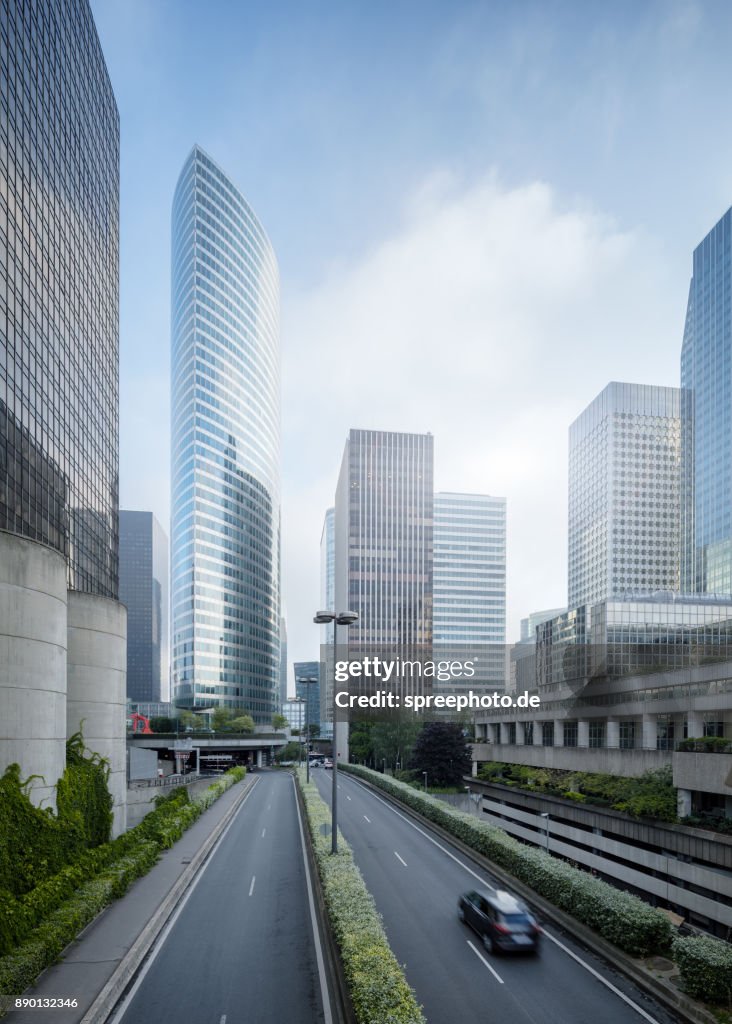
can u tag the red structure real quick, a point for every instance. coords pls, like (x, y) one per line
(140, 724)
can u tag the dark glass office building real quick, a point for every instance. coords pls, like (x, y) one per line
(59, 214)
(143, 588)
(706, 371)
(309, 691)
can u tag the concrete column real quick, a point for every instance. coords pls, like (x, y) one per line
(260, 762)
(683, 802)
(649, 732)
(503, 731)
(694, 724)
(583, 733)
(520, 734)
(97, 682)
(33, 664)
(612, 733)
(558, 732)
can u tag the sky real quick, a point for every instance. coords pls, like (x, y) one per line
(482, 214)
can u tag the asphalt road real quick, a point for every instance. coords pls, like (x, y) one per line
(241, 947)
(416, 877)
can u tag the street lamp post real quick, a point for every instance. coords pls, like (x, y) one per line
(384, 760)
(308, 682)
(545, 816)
(338, 619)
(299, 701)
(425, 781)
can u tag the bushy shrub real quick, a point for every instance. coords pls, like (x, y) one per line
(706, 968)
(623, 919)
(376, 983)
(40, 919)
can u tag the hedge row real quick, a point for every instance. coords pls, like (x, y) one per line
(623, 919)
(67, 902)
(706, 968)
(376, 983)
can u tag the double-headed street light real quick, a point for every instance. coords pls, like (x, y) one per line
(338, 619)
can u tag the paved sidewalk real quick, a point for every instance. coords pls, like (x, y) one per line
(89, 961)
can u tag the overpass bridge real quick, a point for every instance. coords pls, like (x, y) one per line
(197, 752)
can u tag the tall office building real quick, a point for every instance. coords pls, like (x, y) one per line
(327, 602)
(706, 377)
(283, 662)
(62, 631)
(384, 537)
(625, 494)
(59, 290)
(470, 583)
(309, 691)
(143, 588)
(225, 543)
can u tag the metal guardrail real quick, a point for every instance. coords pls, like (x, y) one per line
(167, 780)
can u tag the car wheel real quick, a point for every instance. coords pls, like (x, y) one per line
(487, 943)
(461, 914)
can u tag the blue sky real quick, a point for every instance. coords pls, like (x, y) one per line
(482, 213)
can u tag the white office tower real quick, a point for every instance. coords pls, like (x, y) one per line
(625, 494)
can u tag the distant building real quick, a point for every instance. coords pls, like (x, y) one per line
(327, 603)
(529, 624)
(469, 584)
(143, 588)
(310, 691)
(706, 376)
(625, 494)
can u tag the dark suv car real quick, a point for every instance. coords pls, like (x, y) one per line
(503, 923)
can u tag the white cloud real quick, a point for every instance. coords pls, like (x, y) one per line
(490, 317)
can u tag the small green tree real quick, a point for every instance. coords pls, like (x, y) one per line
(242, 723)
(442, 751)
(162, 724)
(279, 723)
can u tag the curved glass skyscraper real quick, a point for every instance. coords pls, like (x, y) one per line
(225, 473)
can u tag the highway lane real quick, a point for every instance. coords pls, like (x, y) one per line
(241, 948)
(416, 878)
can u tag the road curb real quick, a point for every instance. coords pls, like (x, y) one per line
(667, 994)
(128, 966)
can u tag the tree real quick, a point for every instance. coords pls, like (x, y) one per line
(393, 739)
(442, 751)
(313, 730)
(279, 723)
(359, 742)
(290, 752)
(190, 721)
(221, 718)
(162, 724)
(242, 723)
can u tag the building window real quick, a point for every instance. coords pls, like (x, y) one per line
(597, 734)
(714, 729)
(570, 734)
(627, 735)
(528, 733)
(511, 732)
(664, 735)
(547, 734)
